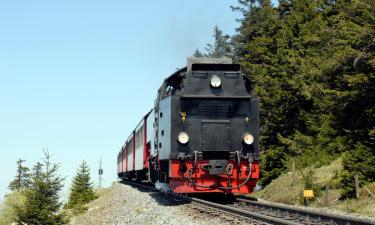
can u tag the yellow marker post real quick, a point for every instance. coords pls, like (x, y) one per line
(307, 194)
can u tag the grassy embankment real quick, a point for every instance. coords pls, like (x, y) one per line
(288, 190)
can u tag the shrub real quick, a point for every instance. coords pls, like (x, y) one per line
(8, 208)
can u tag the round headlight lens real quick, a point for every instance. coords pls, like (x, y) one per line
(215, 81)
(183, 138)
(248, 138)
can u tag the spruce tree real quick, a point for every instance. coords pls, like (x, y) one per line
(22, 179)
(43, 199)
(256, 51)
(352, 72)
(198, 54)
(222, 46)
(37, 172)
(82, 190)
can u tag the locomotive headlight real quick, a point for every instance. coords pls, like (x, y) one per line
(215, 81)
(248, 138)
(183, 138)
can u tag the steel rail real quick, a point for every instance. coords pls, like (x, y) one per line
(328, 218)
(242, 212)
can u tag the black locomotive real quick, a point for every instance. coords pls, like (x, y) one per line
(201, 136)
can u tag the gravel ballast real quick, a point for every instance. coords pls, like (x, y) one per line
(123, 204)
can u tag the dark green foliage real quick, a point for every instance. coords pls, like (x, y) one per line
(272, 164)
(222, 46)
(313, 66)
(22, 179)
(347, 184)
(82, 190)
(360, 161)
(42, 199)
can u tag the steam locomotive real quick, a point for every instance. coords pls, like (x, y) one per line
(202, 134)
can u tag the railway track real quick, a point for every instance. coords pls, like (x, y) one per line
(244, 211)
(298, 215)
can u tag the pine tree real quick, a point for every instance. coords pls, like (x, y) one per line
(22, 179)
(37, 172)
(256, 51)
(198, 54)
(352, 72)
(82, 190)
(42, 199)
(222, 46)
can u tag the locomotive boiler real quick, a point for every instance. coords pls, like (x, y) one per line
(202, 134)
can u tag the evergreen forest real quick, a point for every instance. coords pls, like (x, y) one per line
(312, 65)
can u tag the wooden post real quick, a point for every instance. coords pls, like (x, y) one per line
(306, 201)
(356, 180)
(326, 196)
(293, 170)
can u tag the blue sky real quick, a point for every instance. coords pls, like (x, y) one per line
(77, 76)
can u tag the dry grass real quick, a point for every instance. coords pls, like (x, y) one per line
(287, 190)
(327, 174)
(365, 205)
(282, 190)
